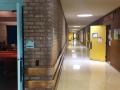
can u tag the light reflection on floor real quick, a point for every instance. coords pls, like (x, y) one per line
(81, 73)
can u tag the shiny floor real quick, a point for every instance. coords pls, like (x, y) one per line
(81, 73)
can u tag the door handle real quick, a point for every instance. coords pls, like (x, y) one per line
(91, 45)
(21, 71)
(20, 59)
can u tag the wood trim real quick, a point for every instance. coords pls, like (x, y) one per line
(45, 84)
(44, 71)
(8, 19)
(39, 84)
(57, 81)
(55, 70)
(59, 59)
(38, 71)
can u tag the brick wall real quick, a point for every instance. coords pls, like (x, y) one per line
(40, 16)
(60, 30)
(37, 27)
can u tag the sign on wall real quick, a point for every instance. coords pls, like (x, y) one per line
(29, 44)
(108, 19)
(116, 34)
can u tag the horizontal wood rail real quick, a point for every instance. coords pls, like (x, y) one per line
(39, 84)
(55, 71)
(38, 71)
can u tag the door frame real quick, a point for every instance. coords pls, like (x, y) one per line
(20, 60)
(108, 27)
(14, 8)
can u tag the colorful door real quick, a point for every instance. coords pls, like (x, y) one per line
(70, 36)
(98, 43)
(19, 47)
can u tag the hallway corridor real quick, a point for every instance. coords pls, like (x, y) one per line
(81, 73)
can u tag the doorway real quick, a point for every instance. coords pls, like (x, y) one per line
(8, 50)
(108, 43)
(11, 60)
(74, 36)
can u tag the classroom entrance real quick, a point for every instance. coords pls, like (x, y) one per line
(11, 49)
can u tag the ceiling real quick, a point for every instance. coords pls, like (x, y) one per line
(97, 8)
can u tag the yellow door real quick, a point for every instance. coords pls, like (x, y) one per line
(98, 43)
(70, 36)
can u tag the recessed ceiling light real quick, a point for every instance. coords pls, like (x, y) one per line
(85, 15)
(74, 29)
(76, 26)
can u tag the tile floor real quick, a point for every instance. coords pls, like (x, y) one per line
(81, 73)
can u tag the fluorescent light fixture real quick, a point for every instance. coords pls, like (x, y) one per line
(76, 67)
(76, 26)
(85, 15)
(74, 29)
(73, 51)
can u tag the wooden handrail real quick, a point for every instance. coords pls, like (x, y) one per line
(46, 71)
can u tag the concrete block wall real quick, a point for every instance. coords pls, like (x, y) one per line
(39, 18)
